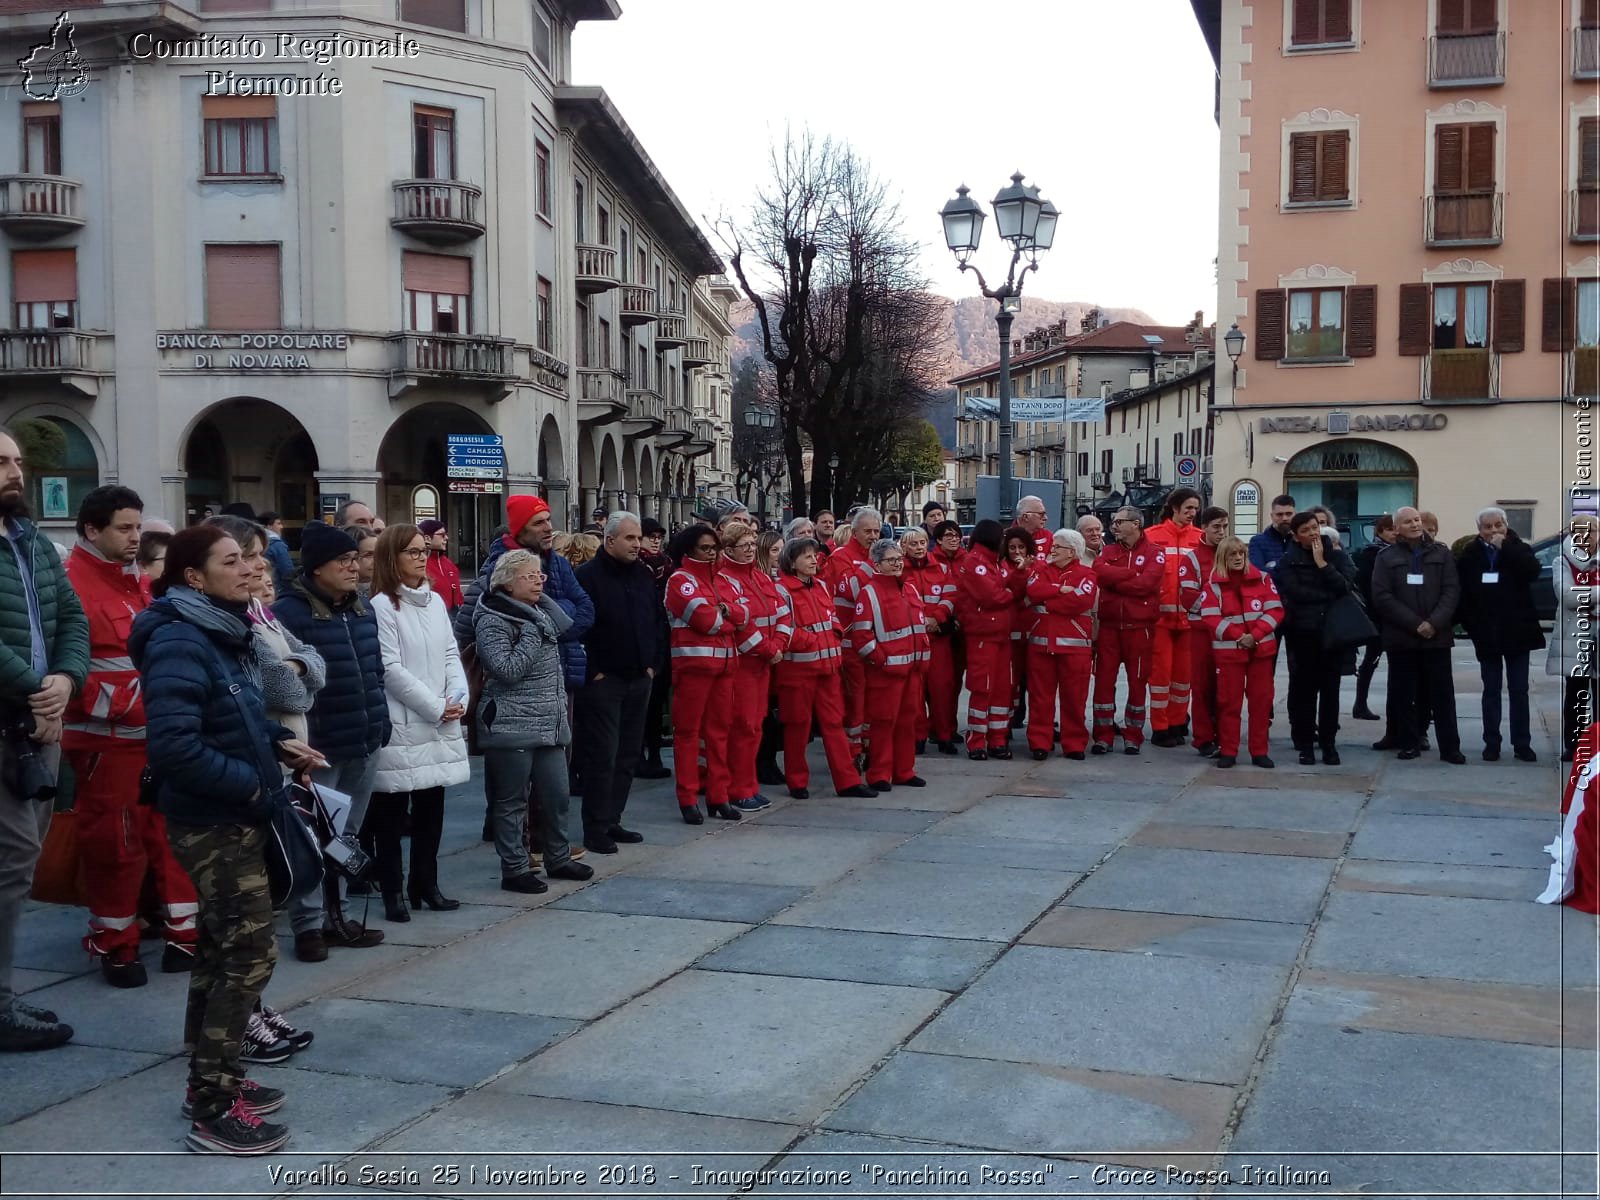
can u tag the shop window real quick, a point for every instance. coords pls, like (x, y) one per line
(56, 487)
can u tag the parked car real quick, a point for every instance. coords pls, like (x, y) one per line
(1544, 587)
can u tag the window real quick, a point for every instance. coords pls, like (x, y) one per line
(44, 287)
(1320, 23)
(1589, 312)
(544, 335)
(1105, 463)
(603, 345)
(642, 378)
(441, 14)
(1461, 316)
(243, 286)
(1124, 428)
(622, 254)
(1586, 204)
(543, 38)
(1177, 445)
(644, 266)
(1468, 18)
(433, 143)
(41, 138)
(1210, 438)
(1316, 324)
(541, 179)
(241, 133)
(438, 292)
(59, 491)
(1319, 167)
(1083, 462)
(602, 225)
(578, 204)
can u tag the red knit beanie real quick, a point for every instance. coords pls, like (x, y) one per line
(522, 509)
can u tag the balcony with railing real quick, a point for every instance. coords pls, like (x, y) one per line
(966, 451)
(1586, 53)
(429, 359)
(1473, 219)
(704, 440)
(600, 398)
(678, 429)
(37, 208)
(1460, 375)
(66, 357)
(647, 412)
(442, 212)
(672, 330)
(697, 352)
(1467, 59)
(638, 304)
(596, 270)
(1583, 215)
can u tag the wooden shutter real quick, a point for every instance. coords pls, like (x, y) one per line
(1452, 16)
(1302, 167)
(1483, 16)
(1559, 326)
(237, 108)
(44, 275)
(1333, 182)
(1361, 322)
(1589, 152)
(441, 14)
(1271, 311)
(1336, 26)
(1480, 157)
(1510, 315)
(450, 274)
(1416, 321)
(1449, 159)
(1306, 19)
(244, 286)
(1589, 14)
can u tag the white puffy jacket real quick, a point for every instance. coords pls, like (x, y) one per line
(421, 675)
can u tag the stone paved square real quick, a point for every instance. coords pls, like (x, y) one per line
(1257, 887)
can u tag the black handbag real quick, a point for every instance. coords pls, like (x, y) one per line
(294, 859)
(1346, 624)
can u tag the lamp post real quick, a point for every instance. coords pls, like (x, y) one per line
(1027, 223)
(1234, 341)
(760, 419)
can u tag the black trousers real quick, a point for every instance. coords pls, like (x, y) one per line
(380, 833)
(1422, 686)
(655, 715)
(1368, 668)
(608, 723)
(1314, 675)
(1578, 711)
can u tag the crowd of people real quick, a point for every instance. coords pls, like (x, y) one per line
(192, 678)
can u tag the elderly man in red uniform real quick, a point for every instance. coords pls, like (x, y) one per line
(847, 569)
(119, 839)
(1130, 571)
(1031, 517)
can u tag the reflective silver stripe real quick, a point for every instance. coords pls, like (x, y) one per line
(819, 627)
(118, 663)
(767, 622)
(899, 660)
(1171, 608)
(806, 656)
(866, 648)
(1060, 641)
(127, 733)
(702, 652)
(749, 643)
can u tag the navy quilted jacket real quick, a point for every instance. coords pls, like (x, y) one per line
(350, 718)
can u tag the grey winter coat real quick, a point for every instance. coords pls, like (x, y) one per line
(524, 702)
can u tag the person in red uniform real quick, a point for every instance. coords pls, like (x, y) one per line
(706, 618)
(889, 635)
(1031, 519)
(1202, 667)
(1129, 570)
(1019, 559)
(936, 585)
(845, 571)
(443, 574)
(1240, 612)
(119, 839)
(985, 606)
(760, 645)
(1176, 532)
(808, 677)
(1063, 593)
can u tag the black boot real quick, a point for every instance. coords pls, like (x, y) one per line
(394, 907)
(427, 828)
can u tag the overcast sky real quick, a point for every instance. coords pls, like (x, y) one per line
(1106, 107)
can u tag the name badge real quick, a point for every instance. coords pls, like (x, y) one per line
(1491, 576)
(1414, 577)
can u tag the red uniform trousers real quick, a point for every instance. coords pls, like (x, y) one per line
(1236, 683)
(802, 699)
(1019, 672)
(1203, 696)
(1053, 678)
(1169, 679)
(891, 726)
(702, 706)
(854, 688)
(752, 682)
(1121, 646)
(119, 840)
(937, 718)
(988, 690)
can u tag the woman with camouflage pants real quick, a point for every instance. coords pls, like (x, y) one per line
(216, 757)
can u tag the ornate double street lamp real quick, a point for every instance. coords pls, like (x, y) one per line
(1027, 222)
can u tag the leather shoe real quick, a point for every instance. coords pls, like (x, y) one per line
(1456, 758)
(1130, 749)
(1224, 761)
(913, 781)
(175, 959)
(600, 845)
(947, 748)
(394, 908)
(1099, 748)
(311, 946)
(1363, 713)
(1330, 757)
(922, 746)
(859, 792)
(1208, 749)
(799, 794)
(1309, 759)
(123, 973)
(885, 786)
(431, 897)
(1491, 754)
(1525, 754)
(1261, 760)
(691, 814)
(1386, 744)
(1075, 755)
(527, 883)
(724, 812)
(1040, 755)
(1004, 753)
(576, 871)
(768, 774)
(618, 834)
(977, 755)
(1408, 755)
(353, 935)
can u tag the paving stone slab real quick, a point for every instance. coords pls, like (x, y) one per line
(1492, 941)
(1294, 842)
(1271, 942)
(555, 963)
(30, 1082)
(1427, 774)
(999, 852)
(1437, 879)
(846, 814)
(694, 899)
(1085, 782)
(889, 958)
(1330, 1088)
(1185, 1018)
(1285, 808)
(932, 899)
(1033, 1109)
(24, 981)
(1461, 841)
(147, 1019)
(1038, 819)
(294, 982)
(428, 928)
(1535, 798)
(50, 938)
(473, 877)
(752, 1046)
(1208, 883)
(772, 854)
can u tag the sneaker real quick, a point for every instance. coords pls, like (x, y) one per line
(752, 804)
(21, 1031)
(261, 1044)
(34, 1011)
(279, 1024)
(176, 959)
(260, 1098)
(238, 1131)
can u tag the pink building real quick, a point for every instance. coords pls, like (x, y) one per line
(1410, 211)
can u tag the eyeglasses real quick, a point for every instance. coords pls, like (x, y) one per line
(893, 560)
(532, 576)
(707, 548)
(1122, 520)
(348, 560)
(423, 553)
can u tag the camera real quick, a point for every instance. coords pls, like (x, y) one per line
(23, 766)
(347, 856)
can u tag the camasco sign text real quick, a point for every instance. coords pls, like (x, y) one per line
(271, 351)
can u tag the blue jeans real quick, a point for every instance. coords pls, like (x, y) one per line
(354, 778)
(1512, 668)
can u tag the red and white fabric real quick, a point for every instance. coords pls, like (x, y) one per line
(1575, 871)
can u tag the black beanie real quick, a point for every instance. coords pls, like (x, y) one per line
(320, 544)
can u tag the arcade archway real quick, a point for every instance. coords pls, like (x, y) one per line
(413, 452)
(247, 450)
(1354, 478)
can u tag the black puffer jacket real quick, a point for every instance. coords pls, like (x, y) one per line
(1308, 589)
(1499, 617)
(350, 717)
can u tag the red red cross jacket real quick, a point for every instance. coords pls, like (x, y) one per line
(446, 579)
(847, 568)
(1130, 580)
(889, 629)
(1205, 558)
(110, 706)
(985, 603)
(1180, 586)
(770, 625)
(937, 587)
(1238, 605)
(814, 646)
(1063, 601)
(703, 639)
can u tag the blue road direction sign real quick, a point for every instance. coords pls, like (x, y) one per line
(475, 456)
